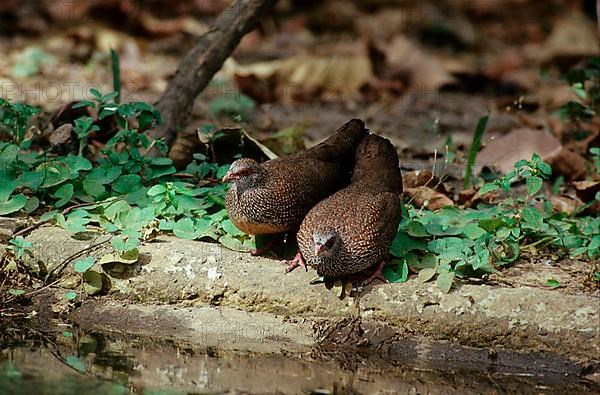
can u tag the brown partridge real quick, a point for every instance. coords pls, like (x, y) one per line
(274, 196)
(353, 229)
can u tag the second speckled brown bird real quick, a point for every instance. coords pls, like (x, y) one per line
(353, 229)
(274, 196)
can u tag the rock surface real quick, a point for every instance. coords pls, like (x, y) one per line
(197, 274)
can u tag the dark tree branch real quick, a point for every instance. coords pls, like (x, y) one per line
(203, 61)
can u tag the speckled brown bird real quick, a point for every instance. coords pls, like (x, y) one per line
(274, 196)
(352, 230)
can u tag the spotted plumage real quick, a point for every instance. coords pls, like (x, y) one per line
(353, 229)
(274, 196)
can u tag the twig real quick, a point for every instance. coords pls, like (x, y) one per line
(40, 223)
(540, 241)
(200, 64)
(59, 268)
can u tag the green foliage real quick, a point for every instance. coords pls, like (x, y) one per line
(30, 62)
(475, 145)
(595, 151)
(585, 83)
(13, 121)
(20, 247)
(124, 191)
(231, 103)
(459, 243)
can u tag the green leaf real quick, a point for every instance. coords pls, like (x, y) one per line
(32, 204)
(533, 217)
(94, 188)
(474, 149)
(545, 168)
(104, 174)
(450, 248)
(127, 183)
(16, 292)
(473, 231)
(158, 189)
(123, 244)
(236, 244)
(396, 273)
(77, 164)
(12, 205)
(426, 274)
(160, 161)
(553, 283)
(64, 194)
(205, 228)
(31, 179)
(6, 188)
(489, 187)
(230, 228)
(84, 264)
(403, 244)
(534, 185)
(92, 282)
(55, 173)
(490, 225)
(153, 172)
(185, 229)
(444, 281)
(127, 257)
(70, 295)
(76, 363)
(75, 224)
(115, 209)
(166, 224)
(416, 229)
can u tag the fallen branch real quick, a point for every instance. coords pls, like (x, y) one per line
(203, 61)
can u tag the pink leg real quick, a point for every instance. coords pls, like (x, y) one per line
(269, 247)
(295, 262)
(377, 274)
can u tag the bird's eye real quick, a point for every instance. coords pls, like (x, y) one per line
(244, 172)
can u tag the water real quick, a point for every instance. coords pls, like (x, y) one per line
(71, 362)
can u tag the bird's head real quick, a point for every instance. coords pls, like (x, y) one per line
(245, 170)
(325, 242)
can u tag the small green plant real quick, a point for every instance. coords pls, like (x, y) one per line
(459, 243)
(585, 83)
(14, 119)
(20, 247)
(125, 192)
(475, 145)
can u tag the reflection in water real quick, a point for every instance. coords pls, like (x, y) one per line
(72, 363)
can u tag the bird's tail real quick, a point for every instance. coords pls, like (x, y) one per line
(340, 146)
(376, 161)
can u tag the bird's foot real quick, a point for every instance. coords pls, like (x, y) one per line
(377, 275)
(295, 262)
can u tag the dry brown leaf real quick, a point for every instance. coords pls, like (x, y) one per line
(568, 163)
(304, 77)
(586, 190)
(404, 60)
(471, 197)
(502, 152)
(61, 135)
(417, 178)
(573, 36)
(428, 198)
(565, 204)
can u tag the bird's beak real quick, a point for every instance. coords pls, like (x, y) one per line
(319, 249)
(229, 176)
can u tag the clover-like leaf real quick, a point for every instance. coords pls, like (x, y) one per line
(84, 264)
